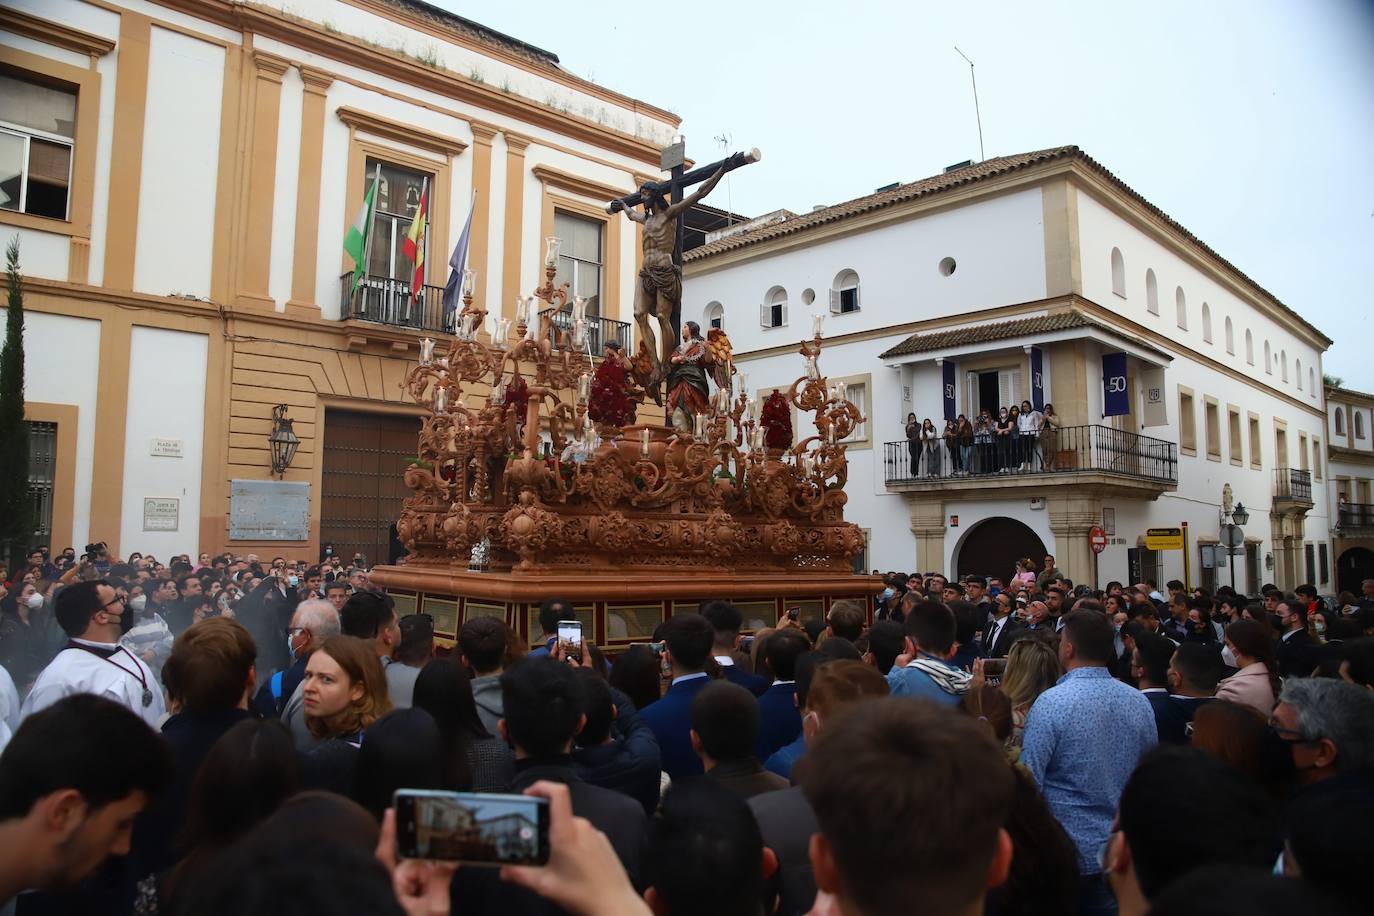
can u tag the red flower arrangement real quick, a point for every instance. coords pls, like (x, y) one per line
(608, 403)
(776, 419)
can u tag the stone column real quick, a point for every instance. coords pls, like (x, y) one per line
(928, 524)
(1072, 516)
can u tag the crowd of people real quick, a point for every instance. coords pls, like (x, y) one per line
(1013, 440)
(958, 747)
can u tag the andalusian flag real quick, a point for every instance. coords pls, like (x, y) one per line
(414, 246)
(355, 242)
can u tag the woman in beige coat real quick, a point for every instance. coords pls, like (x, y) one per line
(1249, 648)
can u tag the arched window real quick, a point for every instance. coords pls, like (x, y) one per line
(1340, 421)
(1268, 359)
(1283, 364)
(1249, 347)
(1359, 425)
(844, 293)
(1151, 293)
(1297, 372)
(1230, 337)
(1206, 323)
(1118, 273)
(714, 315)
(773, 312)
(1181, 304)
(1312, 381)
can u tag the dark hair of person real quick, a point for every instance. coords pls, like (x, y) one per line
(247, 774)
(364, 615)
(705, 852)
(885, 641)
(1230, 820)
(338, 585)
(1155, 652)
(402, 751)
(1090, 633)
(1199, 664)
(600, 708)
(543, 703)
(76, 604)
(966, 622)
(782, 650)
(210, 664)
(552, 610)
(1238, 734)
(417, 640)
(443, 690)
(1252, 638)
(911, 798)
(1358, 655)
(690, 638)
(846, 619)
(71, 745)
(931, 626)
(725, 718)
(990, 705)
(1044, 866)
(723, 615)
(839, 649)
(636, 674)
(482, 640)
(1224, 890)
(360, 665)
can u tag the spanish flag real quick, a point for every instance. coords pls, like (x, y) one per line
(414, 246)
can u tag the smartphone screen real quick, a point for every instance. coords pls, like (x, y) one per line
(794, 613)
(746, 644)
(472, 828)
(570, 637)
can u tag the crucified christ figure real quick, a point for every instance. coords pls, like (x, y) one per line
(659, 292)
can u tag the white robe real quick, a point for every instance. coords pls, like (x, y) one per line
(78, 671)
(9, 708)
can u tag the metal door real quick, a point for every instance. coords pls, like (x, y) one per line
(365, 456)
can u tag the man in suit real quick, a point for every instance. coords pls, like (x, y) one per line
(1153, 657)
(1001, 629)
(725, 729)
(1194, 671)
(726, 619)
(781, 722)
(688, 639)
(1297, 653)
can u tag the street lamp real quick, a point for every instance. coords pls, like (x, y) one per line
(283, 440)
(1238, 518)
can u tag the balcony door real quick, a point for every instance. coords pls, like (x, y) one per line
(993, 389)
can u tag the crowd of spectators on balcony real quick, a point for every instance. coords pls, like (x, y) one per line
(1017, 440)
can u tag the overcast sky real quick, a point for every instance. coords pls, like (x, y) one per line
(1251, 122)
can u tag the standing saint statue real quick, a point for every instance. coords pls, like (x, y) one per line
(688, 390)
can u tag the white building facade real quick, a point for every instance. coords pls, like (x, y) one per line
(1042, 277)
(1350, 467)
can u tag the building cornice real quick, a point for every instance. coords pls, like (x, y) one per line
(55, 33)
(1361, 456)
(400, 132)
(576, 184)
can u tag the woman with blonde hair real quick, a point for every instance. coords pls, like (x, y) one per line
(344, 691)
(1032, 668)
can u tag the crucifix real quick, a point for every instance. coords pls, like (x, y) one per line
(659, 292)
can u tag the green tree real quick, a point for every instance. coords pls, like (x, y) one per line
(16, 524)
(1332, 381)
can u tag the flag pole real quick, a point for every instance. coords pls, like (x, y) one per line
(367, 241)
(421, 214)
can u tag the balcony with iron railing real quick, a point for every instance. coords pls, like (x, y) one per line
(386, 300)
(1355, 518)
(1292, 488)
(1111, 459)
(600, 331)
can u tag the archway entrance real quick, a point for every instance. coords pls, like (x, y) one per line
(1352, 567)
(993, 546)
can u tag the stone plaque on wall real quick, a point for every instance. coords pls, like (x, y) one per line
(269, 510)
(161, 514)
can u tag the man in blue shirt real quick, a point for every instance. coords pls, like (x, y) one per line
(923, 670)
(551, 610)
(781, 720)
(1083, 739)
(687, 644)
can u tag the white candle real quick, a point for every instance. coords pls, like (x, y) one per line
(531, 330)
(579, 334)
(584, 387)
(758, 438)
(644, 442)
(579, 308)
(502, 331)
(519, 309)
(816, 325)
(498, 394)
(440, 399)
(469, 281)
(844, 391)
(551, 246)
(812, 372)
(426, 351)
(700, 426)
(744, 383)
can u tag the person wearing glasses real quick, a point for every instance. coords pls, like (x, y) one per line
(1327, 725)
(91, 614)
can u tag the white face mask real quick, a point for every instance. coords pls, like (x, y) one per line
(1228, 657)
(139, 602)
(293, 581)
(34, 601)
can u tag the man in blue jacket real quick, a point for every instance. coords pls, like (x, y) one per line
(781, 722)
(727, 620)
(687, 645)
(626, 762)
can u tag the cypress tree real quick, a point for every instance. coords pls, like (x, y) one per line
(16, 523)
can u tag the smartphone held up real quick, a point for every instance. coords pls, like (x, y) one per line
(472, 828)
(570, 638)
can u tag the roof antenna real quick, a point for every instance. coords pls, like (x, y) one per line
(725, 139)
(976, 113)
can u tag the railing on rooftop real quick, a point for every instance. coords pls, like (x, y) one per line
(1064, 451)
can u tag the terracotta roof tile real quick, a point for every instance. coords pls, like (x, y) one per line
(968, 174)
(1002, 330)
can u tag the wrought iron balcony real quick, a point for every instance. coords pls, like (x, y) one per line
(1292, 486)
(600, 330)
(386, 300)
(1112, 457)
(1353, 517)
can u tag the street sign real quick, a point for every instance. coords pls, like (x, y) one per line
(1163, 538)
(1232, 536)
(1097, 539)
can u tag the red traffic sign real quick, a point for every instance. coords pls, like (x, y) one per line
(1097, 539)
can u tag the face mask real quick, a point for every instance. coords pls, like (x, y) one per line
(1116, 629)
(34, 601)
(138, 603)
(293, 581)
(888, 592)
(290, 649)
(1319, 627)
(1228, 657)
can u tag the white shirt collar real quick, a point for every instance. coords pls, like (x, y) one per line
(688, 677)
(724, 661)
(776, 683)
(1154, 690)
(1285, 636)
(113, 646)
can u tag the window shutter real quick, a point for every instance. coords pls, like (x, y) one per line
(784, 315)
(856, 298)
(834, 302)
(1006, 389)
(972, 407)
(763, 316)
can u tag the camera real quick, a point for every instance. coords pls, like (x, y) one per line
(473, 828)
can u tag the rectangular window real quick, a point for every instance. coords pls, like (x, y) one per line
(1323, 568)
(1187, 422)
(1143, 564)
(1309, 555)
(1213, 425)
(37, 130)
(580, 257)
(849, 300)
(857, 395)
(398, 199)
(42, 466)
(1256, 458)
(1234, 435)
(1317, 459)
(1252, 568)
